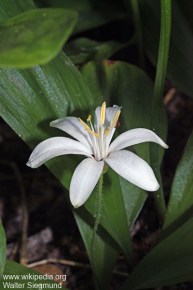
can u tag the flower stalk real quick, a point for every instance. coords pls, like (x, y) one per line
(98, 214)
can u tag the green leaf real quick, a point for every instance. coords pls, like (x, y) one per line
(114, 221)
(40, 95)
(180, 62)
(34, 37)
(83, 49)
(122, 203)
(157, 103)
(11, 7)
(91, 13)
(2, 248)
(170, 262)
(16, 275)
(181, 198)
(104, 257)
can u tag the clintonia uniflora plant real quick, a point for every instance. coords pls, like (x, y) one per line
(94, 141)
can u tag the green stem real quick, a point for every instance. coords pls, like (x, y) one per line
(98, 212)
(162, 62)
(138, 31)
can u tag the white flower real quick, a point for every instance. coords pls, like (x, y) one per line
(93, 141)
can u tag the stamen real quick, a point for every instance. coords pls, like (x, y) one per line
(93, 133)
(84, 125)
(115, 119)
(107, 131)
(89, 118)
(88, 129)
(103, 113)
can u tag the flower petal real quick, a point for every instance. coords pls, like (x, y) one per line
(110, 113)
(84, 180)
(73, 127)
(133, 168)
(135, 136)
(56, 146)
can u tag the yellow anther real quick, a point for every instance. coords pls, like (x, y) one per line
(84, 125)
(93, 133)
(103, 113)
(89, 118)
(88, 129)
(107, 131)
(115, 119)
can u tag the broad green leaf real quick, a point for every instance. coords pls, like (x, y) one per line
(181, 198)
(82, 50)
(15, 276)
(133, 199)
(11, 7)
(104, 257)
(121, 205)
(180, 66)
(34, 37)
(113, 216)
(2, 248)
(91, 13)
(170, 262)
(30, 99)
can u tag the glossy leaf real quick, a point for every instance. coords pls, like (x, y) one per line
(181, 198)
(18, 275)
(91, 13)
(82, 50)
(180, 66)
(2, 248)
(34, 37)
(170, 262)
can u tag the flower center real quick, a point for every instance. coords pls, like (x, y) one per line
(102, 132)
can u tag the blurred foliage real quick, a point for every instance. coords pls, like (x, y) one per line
(26, 39)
